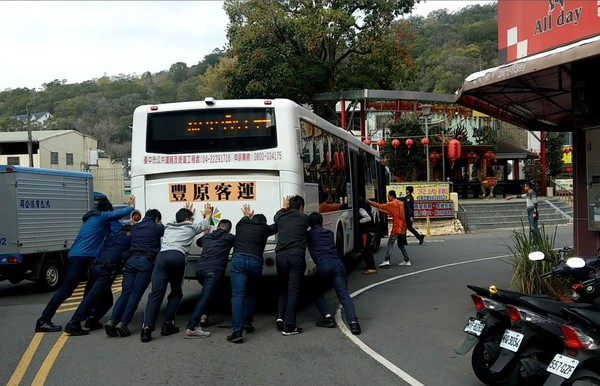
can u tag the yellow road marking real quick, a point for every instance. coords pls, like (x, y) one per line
(19, 372)
(42, 374)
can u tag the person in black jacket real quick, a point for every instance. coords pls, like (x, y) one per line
(210, 268)
(251, 234)
(98, 297)
(330, 270)
(290, 258)
(145, 245)
(409, 213)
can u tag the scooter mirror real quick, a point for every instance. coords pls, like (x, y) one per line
(536, 256)
(575, 262)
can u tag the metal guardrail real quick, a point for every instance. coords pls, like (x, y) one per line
(563, 193)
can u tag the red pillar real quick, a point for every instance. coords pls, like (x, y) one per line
(543, 161)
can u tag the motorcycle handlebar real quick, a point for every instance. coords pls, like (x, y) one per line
(547, 274)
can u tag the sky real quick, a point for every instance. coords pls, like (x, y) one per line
(78, 41)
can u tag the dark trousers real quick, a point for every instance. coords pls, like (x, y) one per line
(367, 252)
(290, 271)
(208, 279)
(409, 227)
(332, 272)
(245, 273)
(97, 298)
(77, 269)
(169, 269)
(136, 278)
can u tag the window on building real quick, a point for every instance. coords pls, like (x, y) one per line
(54, 158)
(12, 161)
(69, 158)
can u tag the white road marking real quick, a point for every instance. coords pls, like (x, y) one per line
(374, 354)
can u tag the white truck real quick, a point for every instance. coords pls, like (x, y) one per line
(40, 215)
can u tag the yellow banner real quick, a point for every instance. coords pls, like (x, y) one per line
(212, 191)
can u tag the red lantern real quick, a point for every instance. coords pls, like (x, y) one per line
(367, 142)
(425, 141)
(489, 156)
(453, 151)
(380, 143)
(409, 142)
(471, 157)
(395, 143)
(434, 157)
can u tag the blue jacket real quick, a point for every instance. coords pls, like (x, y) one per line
(145, 236)
(215, 250)
(321, 245)
(114, 248)
(93, 232)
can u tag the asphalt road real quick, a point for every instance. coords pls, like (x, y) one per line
(412, 320)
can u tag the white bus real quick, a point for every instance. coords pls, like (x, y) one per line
(235, 152)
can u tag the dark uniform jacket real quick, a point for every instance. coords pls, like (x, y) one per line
(251, 237)
(293, 229)
(111, 258)
(215, 250)
(145, 236)
(321, 245)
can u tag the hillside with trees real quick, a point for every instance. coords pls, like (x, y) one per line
(294, 50)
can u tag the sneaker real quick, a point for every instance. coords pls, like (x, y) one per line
(421, 239)
(204, 322)
(369, 271)
(46, 327)
(196, 333)
(109, 327)
(74, 329)
(327, 322)
(355, 328)
(279, 322)
(291, 330)
(93, 324)
(249, 328)
(122, 329)
(169, 329)
(235, 337)
(405, 263)
(385, 264)
(146, 335)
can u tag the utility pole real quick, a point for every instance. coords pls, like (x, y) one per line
(29, 137)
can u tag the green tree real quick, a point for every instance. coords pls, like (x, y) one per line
(294, 48)
(406, 163)
(554, 154)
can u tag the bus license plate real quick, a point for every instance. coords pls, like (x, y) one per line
(563, 366)
(511, 340)
(474, 326)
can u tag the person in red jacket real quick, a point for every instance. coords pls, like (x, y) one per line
(394, 208)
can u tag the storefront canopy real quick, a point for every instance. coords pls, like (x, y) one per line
(533, 92)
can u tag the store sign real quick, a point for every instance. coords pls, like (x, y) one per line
(435, 209)
(423, 191)
(529, 27)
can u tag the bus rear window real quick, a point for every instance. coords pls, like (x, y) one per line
(211, 130)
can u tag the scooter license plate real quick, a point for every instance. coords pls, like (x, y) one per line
(511, 340)
(563, 366)
(474, 326)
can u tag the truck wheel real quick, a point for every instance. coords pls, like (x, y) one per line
(51, 275)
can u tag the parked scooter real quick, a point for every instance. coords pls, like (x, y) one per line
(535, 334)
(579, 362)
(486, 330)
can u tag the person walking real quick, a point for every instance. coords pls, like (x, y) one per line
(85, 249)
(330, 270)
(394, 208)
(531, 203)
(251, 234)
(145, 245)
(98, 297)
(290, 260)
(409, 213)
(210, 268)
(367, 231)
(170, 269)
